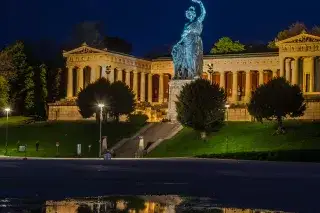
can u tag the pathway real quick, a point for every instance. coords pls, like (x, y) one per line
(155, 132)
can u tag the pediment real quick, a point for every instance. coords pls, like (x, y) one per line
(84, 49)
(301, 38)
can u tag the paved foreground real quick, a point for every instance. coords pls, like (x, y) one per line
(281, 186)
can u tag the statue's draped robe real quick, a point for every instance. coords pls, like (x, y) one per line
(188, 52)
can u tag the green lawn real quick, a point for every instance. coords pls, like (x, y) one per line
(239, 137)
(68, 134)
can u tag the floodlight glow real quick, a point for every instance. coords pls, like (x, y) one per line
(7, 109)
(101, 105)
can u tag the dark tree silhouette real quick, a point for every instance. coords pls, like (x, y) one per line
(276, 100)
(201, 106)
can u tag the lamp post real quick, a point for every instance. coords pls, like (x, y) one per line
(227, 107)
(100, 134)
(210, 71)
(7, 110)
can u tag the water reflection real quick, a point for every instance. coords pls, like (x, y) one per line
(123, 204)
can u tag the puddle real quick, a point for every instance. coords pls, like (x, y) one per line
(123, 204)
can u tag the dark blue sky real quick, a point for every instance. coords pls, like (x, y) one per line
(151, 23)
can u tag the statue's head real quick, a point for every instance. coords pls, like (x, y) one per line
(191, 13)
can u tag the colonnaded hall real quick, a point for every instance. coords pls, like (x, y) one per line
(239, 74)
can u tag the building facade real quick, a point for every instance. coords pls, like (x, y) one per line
(239, 74)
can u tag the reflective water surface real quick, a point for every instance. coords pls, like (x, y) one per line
(123, 204)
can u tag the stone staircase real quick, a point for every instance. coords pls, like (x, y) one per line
(154, 135)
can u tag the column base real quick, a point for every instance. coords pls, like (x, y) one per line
(175, 87)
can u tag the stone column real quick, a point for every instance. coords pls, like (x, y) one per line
(295, 71)
(150, 88)
(312, 74)
(70, 83)
(248, 86)
(282, 60)
(288, 69)
(261, 72)
(111, 76)
(119, 76)
(128, 78)
(234, 86)
(143, 87)
(222, 80)
(80, 79)
(161, 89)
(135, 83)
(93, 77)
(103, 72)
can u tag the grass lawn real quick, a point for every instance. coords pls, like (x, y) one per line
(240, 137)
(68, 134)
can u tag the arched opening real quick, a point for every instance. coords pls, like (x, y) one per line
(267, 76)
(99, 72)
(74, 81)
(228, 83)
(166, 80)
(216, 78)
(155, 88)
(205, 76)
(254, 80)
(116, 72)
(86, 76)
(241, 85)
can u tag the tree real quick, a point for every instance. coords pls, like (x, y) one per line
(54, 84)
(89, 32)
(117, 44)
(316, 30)
(201, 106)
(29, 89)
(21, 84)
(122, 99)
(4, 93)
(159, 51)
(226, 45)
(89, 98)
(276, 100)
(7, 69)
(41, 92)
(293, 30)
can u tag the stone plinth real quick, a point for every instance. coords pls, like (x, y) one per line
(175, 87)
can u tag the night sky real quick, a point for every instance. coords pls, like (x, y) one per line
(152, 23)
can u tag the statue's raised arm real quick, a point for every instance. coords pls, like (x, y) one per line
(203, 10)
(187, 54)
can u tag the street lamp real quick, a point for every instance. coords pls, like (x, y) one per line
(101, 117)
(7, 110)
(227, 106)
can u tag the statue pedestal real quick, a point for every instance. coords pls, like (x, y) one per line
(175, 87)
